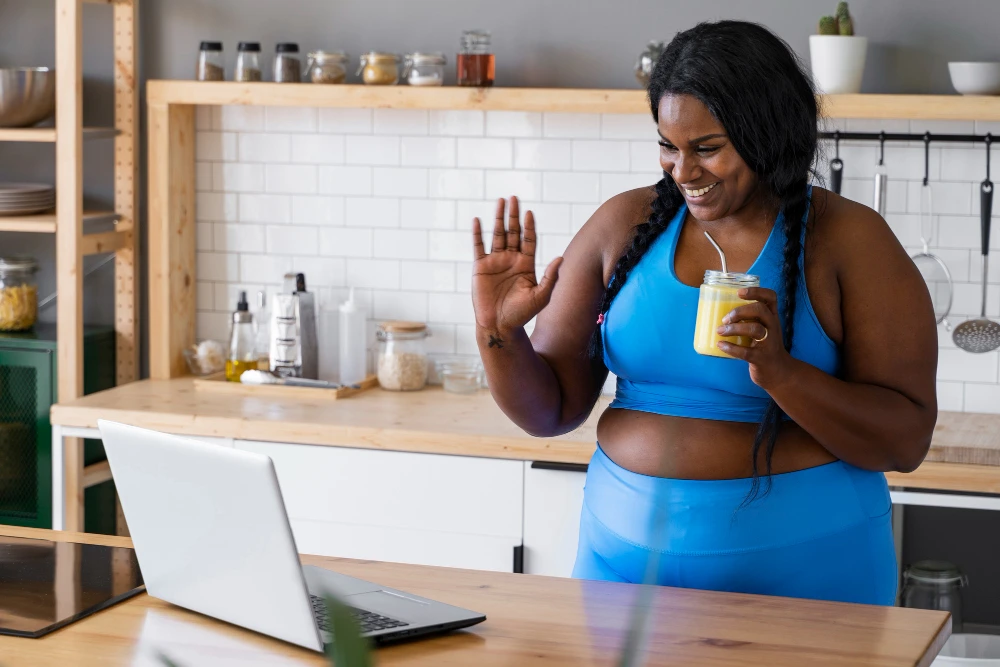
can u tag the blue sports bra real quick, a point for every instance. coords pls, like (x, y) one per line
(648, 336)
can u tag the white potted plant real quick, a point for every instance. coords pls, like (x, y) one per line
(837, 54)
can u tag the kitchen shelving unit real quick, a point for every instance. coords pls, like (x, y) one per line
(68, 222)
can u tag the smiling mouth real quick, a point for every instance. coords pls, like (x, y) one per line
(699, 191)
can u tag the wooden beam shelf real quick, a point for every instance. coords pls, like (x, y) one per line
(48, 134)
(45, 223)
(166, 93)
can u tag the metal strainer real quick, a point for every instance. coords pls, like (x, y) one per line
(933, 269)
(983, 334)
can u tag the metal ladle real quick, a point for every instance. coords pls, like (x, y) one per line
(982, 334)
(722, 255)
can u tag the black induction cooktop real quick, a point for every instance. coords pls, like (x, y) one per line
(45, 585)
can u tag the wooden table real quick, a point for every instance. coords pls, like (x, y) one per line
(433, 421)
(530, 621)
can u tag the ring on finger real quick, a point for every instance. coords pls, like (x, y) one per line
(762, 338)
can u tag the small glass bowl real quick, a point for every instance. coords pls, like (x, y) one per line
(460, 376)
(206, 357)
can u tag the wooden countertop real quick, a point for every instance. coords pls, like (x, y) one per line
(434, 421)
(531, 620)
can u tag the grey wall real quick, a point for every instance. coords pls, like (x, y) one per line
(559, 43)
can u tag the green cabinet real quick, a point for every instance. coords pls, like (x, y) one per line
(28, 374)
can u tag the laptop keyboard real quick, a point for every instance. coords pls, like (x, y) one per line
(369, 621)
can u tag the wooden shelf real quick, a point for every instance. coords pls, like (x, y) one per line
(162, 92)
(48, 134)
(45, 223)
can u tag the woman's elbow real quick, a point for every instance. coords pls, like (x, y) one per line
(914, 450)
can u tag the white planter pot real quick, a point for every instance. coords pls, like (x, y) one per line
(838, 62)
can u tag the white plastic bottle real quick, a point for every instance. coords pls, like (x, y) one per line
(352, 342)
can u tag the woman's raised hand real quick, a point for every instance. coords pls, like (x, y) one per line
(505, 291)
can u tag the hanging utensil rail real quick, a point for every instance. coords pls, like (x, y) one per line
(898, 136)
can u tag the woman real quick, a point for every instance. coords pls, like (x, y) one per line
(760, 472)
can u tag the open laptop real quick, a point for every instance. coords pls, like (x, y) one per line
(211, 534)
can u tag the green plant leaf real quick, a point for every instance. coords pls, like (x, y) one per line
(348, 648)
(166, 660)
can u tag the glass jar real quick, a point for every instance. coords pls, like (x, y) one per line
(287, 64)
(937, 585)
(379, 69)
(646, 61)
(326, 67)
(424, 69)
(210, 64)
(460, 376)
(476, 64)
(18, 293)
(402, 355)
(717, 296)
(248, 62)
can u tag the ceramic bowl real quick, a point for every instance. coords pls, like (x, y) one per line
(975, 78)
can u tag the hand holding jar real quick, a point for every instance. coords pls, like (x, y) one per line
(760, 340)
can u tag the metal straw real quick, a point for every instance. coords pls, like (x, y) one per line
(722, 255)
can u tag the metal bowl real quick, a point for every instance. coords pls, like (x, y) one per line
(27, 95)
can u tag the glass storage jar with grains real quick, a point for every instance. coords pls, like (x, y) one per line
(18, 293)
(326, 67)
(210, 65)
(248, 62)
(402, 355)
(476, 64)
(424, 69)
(379, 69)
(287, 64)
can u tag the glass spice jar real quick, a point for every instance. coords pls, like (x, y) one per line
(936, 585)
(379, 69)
(18, 293)
(287, 64)
(326, 67)
(718, 295)
(476, 64)
(248, 62)
(402, 355)
(210, 64)
(424, 69)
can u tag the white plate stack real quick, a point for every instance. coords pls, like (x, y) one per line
(26, 198)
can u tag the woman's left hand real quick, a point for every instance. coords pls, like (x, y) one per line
(766, 354)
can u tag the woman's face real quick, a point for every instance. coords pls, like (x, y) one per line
(697, 153)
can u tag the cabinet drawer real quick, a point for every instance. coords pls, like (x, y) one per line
(398, 490)
(553, 500)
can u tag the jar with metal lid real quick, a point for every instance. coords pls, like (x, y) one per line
(210, 64)
(937, 585)
(379, 69)
(248, 62)
(18, 293)
(476, 64)
(718, 295)
(326, 67)
(424, 69)
(646, 61)
(402, 355)
(287, 64)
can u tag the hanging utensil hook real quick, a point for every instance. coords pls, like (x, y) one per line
(927, 156)
(836, 164)
(988, 140)
(836, 144)
(881, 147)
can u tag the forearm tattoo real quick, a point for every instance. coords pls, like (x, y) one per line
(495, 340)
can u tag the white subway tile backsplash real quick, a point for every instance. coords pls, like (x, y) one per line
(465, 339)
(450, 308)
(570, 187)
(213, 326)
(292, 240)
(427, 214)
(456, 183)
(399, 305)
(948, 198)
(513, 124)
(400, 244)
(644, 157)
(463, 276)
(457, 123)
(291, 178)
(203, 176)
(400, 182)
(485, 153)
(982, 398)
(255, 208)
(205, 296)
(237, 177)
(526, 185)
(968, 300)
(217, 266)
(317, 210)
(237, 238)
(960, 366)
(961, 164)
(427, 151)
(442, 338)
(217, 146)
(956, 231)
(628, 126)
(580, 214)
(428, 276)
(373, 273)
(321, 271)
(614, 184)
(401, 121)
(593, 155)
(290, 119)
(203, 117)
(572, 126)
(485, 210)
(216, 207)
(227, 295)
(452, 246)
(345, 121)
(543, 154)
(267, 269)
(264, 147)
(345, 180)
(346, 242)
(552, 246)
(373, 150)
(317, 149)
(204, 236)
(950, 396)
(238, 118)
(549, 218)
(907, 162)
(371, 212)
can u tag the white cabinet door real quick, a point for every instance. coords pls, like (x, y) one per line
(552, 503)
(429, 509)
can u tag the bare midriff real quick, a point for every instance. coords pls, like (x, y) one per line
(685, 448)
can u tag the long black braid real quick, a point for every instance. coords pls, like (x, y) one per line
(755, 86)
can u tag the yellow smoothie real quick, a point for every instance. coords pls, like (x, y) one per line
(714, 303)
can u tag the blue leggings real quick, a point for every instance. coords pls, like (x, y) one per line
(823, 533)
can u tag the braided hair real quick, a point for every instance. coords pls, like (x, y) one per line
(754, 85)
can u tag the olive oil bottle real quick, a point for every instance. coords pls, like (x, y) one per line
(242, 342)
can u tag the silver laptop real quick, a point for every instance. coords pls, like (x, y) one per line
(210, 533)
